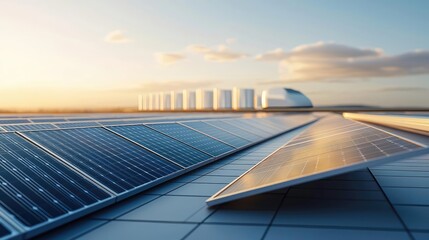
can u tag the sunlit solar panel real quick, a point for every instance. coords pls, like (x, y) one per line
(198, 140)
(331, 146)
(28, 127)
(246, 134)
(77, 124)
(37, 188)
(183, 154)
(113, 161)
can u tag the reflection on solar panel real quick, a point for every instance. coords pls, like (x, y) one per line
(113, 161)
(234, 130)
(77, 124)
(35, 187)
(28, 127)
(13, 121)
(245, 125)
(193, 138)
(168, 147)
(2, 130)
(217, 133)
(320, 152)
(47, 120)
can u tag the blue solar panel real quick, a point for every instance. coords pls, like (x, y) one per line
(14, 121)
(28, 127)
(234, 130)
(248, 126)
(217, 133)
(113, 161)
(4, 231)
(77, 124)
(168, 147)
(35, 187)
(47, 120)
(193, 138)
(120, 122)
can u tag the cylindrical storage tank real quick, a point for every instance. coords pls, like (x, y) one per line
(222, 99)
(204, 99)
(189, 100)
(258, 102)
(140, 102)
(165, 101)
(155, 101)
(243, 98)
(176, 100)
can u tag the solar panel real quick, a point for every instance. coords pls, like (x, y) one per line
(4, 231)
(14, 121)
(28, 127)
(193, 138)
(36, 188)
(164, 145)
(248, 135)
(47, 120)
(217, 133)
(77, 124)
(245, 125)
(113, 161)
(320, 152)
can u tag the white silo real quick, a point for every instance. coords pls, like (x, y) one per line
(140, 102)
(204, 99)
(176, 100)
(243, 98)
(189, 100)
(222, 99)
(165, 101)
(155, 101)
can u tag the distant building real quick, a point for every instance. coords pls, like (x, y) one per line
(258, 102)
(222, 99)
(243, 98)
(284, 98)
(155, 102)
(189, 100)
(165, 101)
(204, 99)
(176, 100)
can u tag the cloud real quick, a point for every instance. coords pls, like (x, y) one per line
(338, 62)
(116, 36)
(169, 58)
(274, 55)
(220, 54)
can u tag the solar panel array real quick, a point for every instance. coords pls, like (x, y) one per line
(52, 176)
(332, 146)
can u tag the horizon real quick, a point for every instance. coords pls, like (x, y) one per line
(90, 56)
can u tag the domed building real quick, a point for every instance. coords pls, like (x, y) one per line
(284, 98)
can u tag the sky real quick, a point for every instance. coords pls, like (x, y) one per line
(101, 54)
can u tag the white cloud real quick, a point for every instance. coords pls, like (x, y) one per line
(274, 55)
(117, 36)
(169, 58)
(220, 54)
(331, 61)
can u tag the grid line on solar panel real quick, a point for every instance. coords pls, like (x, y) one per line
(234, 130)
(35, 187)
(14, 121)
(245, 125)
(217, 133)
(28, 127)
(118, 164)
(168, 147)
(322, 155)
(198, 140)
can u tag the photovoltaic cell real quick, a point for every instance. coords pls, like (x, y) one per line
(47, 120)
(77, 124)
(193, 138)
(315, 155)
(217, 133)
(35, 187)
(166, 146)
(28, 127)
(234, 130)
(248, 126)
(14, 121)
(113, 161)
